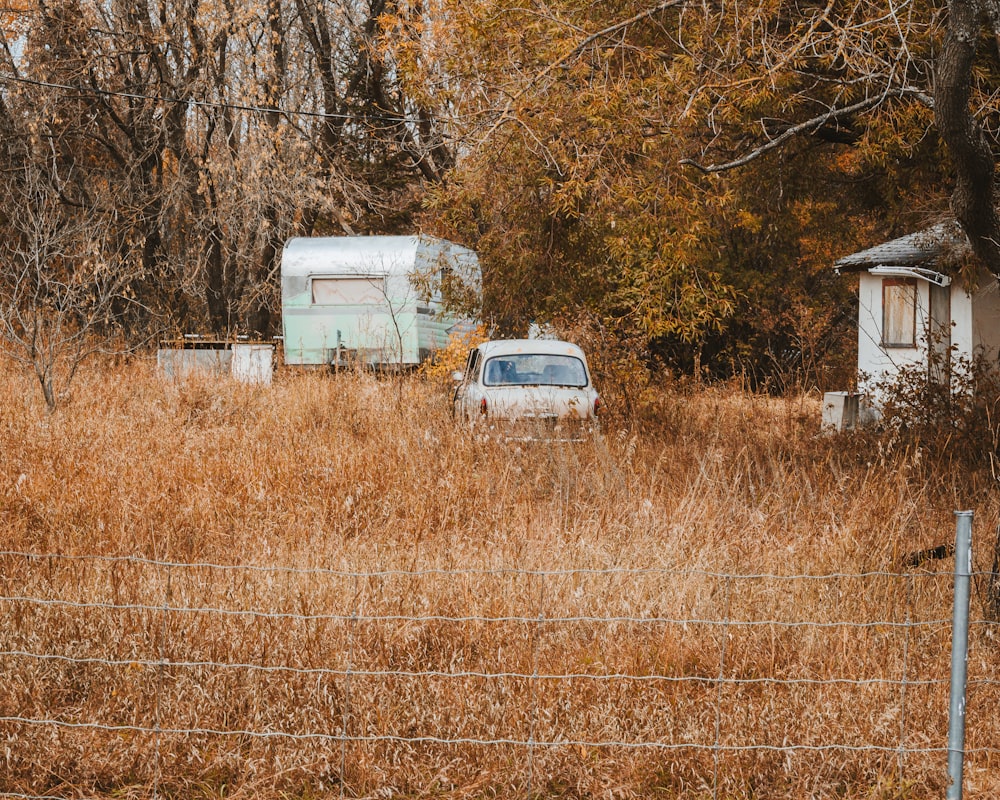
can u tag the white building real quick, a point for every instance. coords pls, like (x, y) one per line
(915, 308)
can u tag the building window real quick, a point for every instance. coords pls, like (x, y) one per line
(899, 312)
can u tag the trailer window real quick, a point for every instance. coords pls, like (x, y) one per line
(353, 291)
(899, 312)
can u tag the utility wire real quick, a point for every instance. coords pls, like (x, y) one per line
(380, 121)
(387, 117)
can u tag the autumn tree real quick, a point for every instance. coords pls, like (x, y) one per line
(579, 123)
(563, 188)
(59, 298)
(882, 79)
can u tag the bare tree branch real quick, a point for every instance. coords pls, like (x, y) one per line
(808, 126)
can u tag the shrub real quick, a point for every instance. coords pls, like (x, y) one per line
(953, 417)
(452, 357)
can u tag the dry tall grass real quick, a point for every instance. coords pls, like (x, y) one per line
(492, 574)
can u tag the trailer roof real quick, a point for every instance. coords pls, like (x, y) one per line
(392, 255)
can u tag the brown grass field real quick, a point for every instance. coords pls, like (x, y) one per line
(324, 588)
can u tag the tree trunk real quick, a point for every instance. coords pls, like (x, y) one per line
(972, 200)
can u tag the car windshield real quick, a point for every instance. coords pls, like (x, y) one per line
(535, 369)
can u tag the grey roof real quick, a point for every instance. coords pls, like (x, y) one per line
(941, 242)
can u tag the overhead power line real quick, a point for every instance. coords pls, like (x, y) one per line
(386, 116)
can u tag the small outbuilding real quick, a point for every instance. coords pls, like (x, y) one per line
(920, 303)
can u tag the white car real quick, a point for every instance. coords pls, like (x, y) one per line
(527, 389)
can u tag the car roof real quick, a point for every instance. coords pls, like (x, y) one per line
(497, 347)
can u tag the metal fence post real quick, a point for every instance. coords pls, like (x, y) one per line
(959, 653)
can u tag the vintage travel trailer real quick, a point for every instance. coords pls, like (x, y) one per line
(373, 300)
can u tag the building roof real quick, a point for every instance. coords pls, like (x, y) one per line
(943, 242)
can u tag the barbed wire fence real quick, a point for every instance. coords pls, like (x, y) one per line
(136, 677)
